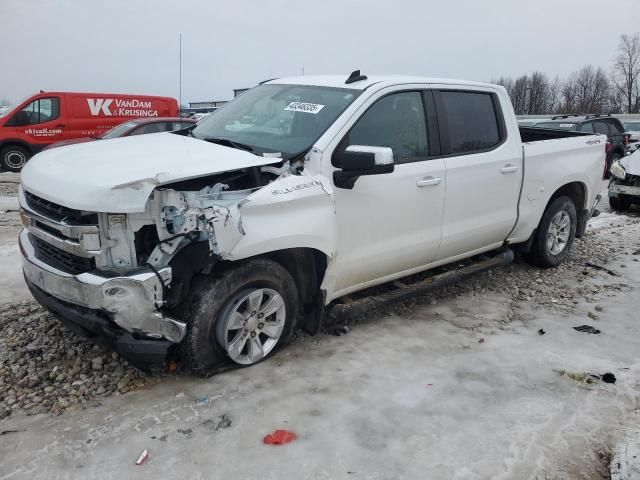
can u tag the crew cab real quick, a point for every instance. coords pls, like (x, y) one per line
(215, 243)
(50, 117)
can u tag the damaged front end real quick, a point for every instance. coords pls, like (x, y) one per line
(625, 179)
(124, 276)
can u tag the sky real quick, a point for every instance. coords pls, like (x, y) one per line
(132, 46)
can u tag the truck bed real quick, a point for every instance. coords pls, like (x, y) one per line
(552, 158)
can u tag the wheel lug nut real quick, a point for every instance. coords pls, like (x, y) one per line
(253, 334)
(261, 326)
(261, 315)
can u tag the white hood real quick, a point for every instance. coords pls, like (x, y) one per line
(118, 175)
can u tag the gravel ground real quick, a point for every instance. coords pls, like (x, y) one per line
(46, 368)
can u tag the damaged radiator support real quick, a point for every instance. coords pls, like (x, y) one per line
(343, 313)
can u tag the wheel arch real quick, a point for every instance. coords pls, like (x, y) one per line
(16, 141)
(577, 192)
(307, 266)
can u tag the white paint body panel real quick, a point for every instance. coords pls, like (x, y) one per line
(384, 228)
(119, 175)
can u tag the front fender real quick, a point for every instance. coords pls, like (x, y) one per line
(294, 211)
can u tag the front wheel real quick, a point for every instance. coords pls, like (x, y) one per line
(555, 234)
(239, 317)
(14, 157)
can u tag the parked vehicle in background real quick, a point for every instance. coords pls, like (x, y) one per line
(617, 138)
(531, 122)
(50, 117)
(140, 126)
(624, 187)
(4, 109)
(217, 242)
(199, 116)
(633, 129)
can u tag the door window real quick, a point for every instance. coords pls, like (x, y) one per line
(472, 121)
(39, 111)
(396, 121)
(586, 127)
(615, 126)
(601, 127)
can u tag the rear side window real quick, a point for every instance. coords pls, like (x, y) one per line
(586, 127)
(601, 127)
(615, 126)
(472, 122)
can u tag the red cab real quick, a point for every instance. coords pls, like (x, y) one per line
(51, 117)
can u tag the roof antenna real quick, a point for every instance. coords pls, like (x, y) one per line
(355, 77)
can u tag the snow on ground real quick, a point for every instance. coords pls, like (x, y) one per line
(459, 385)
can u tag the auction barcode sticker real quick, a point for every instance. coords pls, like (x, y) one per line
(304, 107)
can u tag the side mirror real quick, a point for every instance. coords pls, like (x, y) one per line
(359, 160)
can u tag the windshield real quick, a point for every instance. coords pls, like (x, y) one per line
(277, 118)
(557, 125)
(632, 126)
(118, 131)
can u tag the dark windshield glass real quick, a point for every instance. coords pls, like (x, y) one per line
(119, 131)
(277, 118)
(557, 125)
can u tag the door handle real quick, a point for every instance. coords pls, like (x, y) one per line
(508, 168)
(428, 181)
(60, 125)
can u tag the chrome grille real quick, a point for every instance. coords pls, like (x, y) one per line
(59, 213)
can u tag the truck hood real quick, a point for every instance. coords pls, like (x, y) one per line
(118, 175)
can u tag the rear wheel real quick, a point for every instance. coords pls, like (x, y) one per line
(14, 157)
(619, 203)
(555, 234)
(240, 317)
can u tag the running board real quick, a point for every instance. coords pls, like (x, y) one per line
(357, 308)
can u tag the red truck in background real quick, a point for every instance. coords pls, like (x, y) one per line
(50, 117)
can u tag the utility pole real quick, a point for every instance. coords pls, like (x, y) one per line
(180, 80)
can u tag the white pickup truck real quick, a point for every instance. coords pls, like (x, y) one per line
(214, 243)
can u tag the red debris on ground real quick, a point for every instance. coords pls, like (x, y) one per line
(279, 437)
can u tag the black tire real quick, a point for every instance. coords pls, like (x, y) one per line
(619, 203)
(210, 296)
(540, 254)
(608, 162)
(14, 157)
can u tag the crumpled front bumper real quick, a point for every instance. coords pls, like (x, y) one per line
(130, 301)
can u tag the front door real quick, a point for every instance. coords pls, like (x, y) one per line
(39, 123)
(391, 223)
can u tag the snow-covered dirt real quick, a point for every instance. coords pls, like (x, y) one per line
(457, 385)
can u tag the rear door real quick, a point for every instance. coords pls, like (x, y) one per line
(484, 170)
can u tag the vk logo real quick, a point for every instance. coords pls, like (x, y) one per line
(95, 105)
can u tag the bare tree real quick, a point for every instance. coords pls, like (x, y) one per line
(626, 72)
(586, 91)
